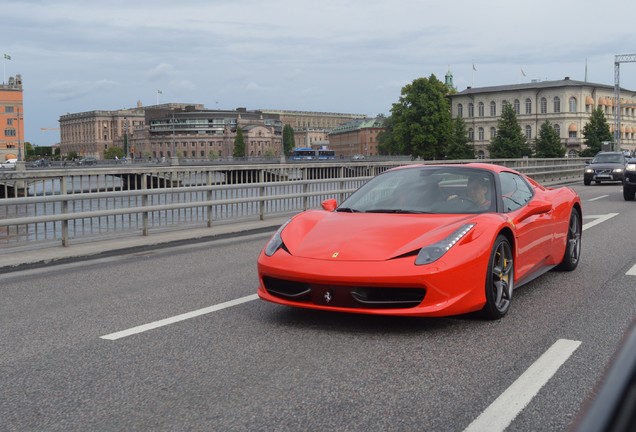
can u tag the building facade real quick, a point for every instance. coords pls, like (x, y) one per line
(357, 137)
(11, 119)
(311, 120)
(567, 104)
(170, 130)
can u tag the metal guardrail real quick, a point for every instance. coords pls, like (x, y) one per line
(59, 206)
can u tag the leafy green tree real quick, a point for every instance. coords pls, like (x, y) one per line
(459, 146)
(387, 145)
(420, 122)
(288, 139)
(239, 144)
(595, 132)
(510, 142)
(548, 143)
(113, 151)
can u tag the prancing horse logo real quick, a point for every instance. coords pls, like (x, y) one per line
(328, 297)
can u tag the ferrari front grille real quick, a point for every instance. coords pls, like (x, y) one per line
(357, 297)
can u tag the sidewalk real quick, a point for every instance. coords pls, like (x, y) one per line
(39, 257)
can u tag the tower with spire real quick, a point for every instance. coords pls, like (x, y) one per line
(449, 81)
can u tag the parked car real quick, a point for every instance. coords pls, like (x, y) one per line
(88, 160)
(41, 163)
(606, 166)
(629, 180)
(357, 157)
(9, 163)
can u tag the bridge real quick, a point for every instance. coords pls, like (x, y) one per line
(53, 207)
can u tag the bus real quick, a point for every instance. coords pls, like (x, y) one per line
(303, 153)
(325, 153)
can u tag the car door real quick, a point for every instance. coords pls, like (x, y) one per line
(535, 233)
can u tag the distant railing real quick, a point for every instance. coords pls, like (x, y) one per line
(59, 206)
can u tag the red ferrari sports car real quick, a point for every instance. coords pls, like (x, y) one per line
(424, 240)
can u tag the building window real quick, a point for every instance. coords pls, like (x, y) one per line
(8, 109)
(493, 132)
(481, 133)
(517, 106)
(471, 134)
(572, 134)
(528, 106)
(460, 110)
(480, 108)
(9, 122)
(572, 104)
(557, 130)
(544, 106)
(528, 132)
(557, 104)
(9, 132)
(471, 110)
(493, 109)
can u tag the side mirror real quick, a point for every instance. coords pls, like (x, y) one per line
(329, 204)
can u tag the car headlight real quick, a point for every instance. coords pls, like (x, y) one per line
(618, 170)
(589, 170)
(432, 253)
(276, 241)
(630, 167)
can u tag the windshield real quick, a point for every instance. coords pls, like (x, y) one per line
(609, 158)
(434, 190)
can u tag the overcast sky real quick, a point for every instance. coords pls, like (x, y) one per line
(347, 56)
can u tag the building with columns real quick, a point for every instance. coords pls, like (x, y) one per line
(11, 119)
(567, 104)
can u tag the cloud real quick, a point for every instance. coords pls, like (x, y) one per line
(161, 71)
(70, 90)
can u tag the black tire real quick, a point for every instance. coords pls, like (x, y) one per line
(587, 182)
(499, 280)
(572, 253)
(628, 193)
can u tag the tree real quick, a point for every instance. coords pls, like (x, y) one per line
(459, 146)
(548, 143)
(510, 142)
(239, 144)
(420, 122)
(288, 139)
(113, 151)
(595, 132)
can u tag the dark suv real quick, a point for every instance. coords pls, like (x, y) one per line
(629, 180)
(606, 166)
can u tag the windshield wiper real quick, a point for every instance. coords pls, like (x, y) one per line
(347, 210)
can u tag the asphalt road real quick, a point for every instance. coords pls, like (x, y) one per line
(211, 357)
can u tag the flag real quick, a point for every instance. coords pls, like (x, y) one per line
(7, 56)
(474, 68)
(523, 73)
(159, 92)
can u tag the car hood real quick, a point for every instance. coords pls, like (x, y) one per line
(365, 236)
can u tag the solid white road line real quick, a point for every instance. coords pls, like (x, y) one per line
(598, 197)
(499, 415)
(177, 318)
(632, 271)
(597, 219)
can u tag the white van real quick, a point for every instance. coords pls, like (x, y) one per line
(9, 163)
